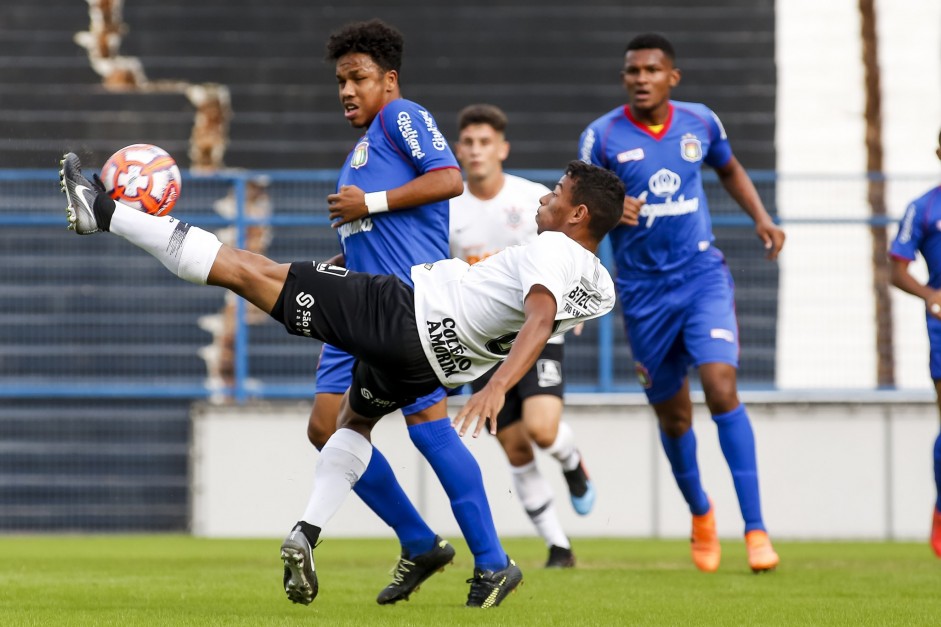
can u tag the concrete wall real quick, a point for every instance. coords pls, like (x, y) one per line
(830, 468)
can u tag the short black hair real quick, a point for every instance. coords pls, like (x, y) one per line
(489, 114)
(652, 41)
(599, 189)
(382, 42)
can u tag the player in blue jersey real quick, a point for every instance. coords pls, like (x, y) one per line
(391, 212)
(920, 232)
(674, 286)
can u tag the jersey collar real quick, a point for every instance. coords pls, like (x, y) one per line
(643, 127)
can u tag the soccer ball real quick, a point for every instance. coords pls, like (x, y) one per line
(144, 177)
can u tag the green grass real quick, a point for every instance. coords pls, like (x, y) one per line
(177, 580)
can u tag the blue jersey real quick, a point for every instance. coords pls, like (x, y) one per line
(665, 170)
(920, 231)
(401, 144)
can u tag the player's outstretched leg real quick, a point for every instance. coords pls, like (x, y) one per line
(411, 572)
(488, 588)
(297, 553)
(81, 194)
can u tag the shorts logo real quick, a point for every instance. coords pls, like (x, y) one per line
(329, 268)
(642, 375)
(304, 300)
(360, 155)
(691, 148)
(548, 373)
(372, 400)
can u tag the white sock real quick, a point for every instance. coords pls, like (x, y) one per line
(535, 494)
(342, 462)
(563, 449)
(186, 251)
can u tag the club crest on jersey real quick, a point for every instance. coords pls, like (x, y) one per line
(691, 148)
(360, 155)
(642, 375)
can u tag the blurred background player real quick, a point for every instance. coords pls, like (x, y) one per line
(674, 286)
(391, 213)
(498, 210)
(920, 231)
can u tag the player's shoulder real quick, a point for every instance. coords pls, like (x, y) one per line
(929, 200)
(606, 119)
(698, 113)
(518, 184)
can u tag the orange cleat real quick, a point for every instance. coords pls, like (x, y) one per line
(761, 555)
(704, 542)
(936, 533)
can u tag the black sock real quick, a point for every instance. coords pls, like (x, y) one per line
(104, 209)
(311, 532)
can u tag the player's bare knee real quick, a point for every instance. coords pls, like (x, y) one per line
(675, 425)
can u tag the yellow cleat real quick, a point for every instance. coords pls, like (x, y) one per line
(761, 555)
(704, 542)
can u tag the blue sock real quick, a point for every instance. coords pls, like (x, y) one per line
(937, 471)
(459, 473)
(681, 452)
(380, 490)
(738, 445)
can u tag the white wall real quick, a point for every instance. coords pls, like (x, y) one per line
(829, 468)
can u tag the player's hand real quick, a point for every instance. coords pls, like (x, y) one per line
(578, 328)
(347, 205)
(481, 408)
(772, 236)
(933, 304)
(632, 206)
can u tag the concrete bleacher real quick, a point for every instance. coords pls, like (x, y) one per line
(72, 311)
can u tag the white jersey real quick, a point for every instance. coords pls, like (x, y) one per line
(469, 315)
(480, 228)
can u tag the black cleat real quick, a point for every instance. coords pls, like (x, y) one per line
(409, 574)
(489, 588)
(581, 490)
(300, 580)
(80, 193)
(560, 557)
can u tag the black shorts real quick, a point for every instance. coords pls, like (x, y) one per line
(370, 316)
(543, 378)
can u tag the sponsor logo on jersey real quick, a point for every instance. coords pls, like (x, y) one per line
(548, 373)
(722, 334)
(905, 231)
(691, 148)
(582, 301)
(448, 350)
(363, 225)
(409, 134)
(587, 145)
(635, 154)
(438, 142)
(664, 183)
(642, 375)
(360, 155)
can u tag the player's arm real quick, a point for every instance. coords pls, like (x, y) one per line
(736, 181)
(539, 310)
(903, 279)
(351, 203)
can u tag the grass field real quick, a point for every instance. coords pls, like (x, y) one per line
(178, 580)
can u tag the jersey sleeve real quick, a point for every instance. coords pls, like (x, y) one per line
(548, 263)
(414, 133)
(720, 151)
(909, 236)
(589, 147)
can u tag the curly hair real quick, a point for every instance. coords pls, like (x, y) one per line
(601, 191)
(652, 41)
(488, 114)
(382, 42)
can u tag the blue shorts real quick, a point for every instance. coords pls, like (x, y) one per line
(680, 319)
(934, 344)
(335, 374)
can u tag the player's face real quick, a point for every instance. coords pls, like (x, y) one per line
(648, 77)
(364, 88)
(481, 149)
(555, 208)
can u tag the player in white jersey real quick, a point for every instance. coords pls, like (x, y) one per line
(495, 212)
(453, 326)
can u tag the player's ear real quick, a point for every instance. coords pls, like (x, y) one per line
(391, 79)
(675, 76)
(504, 151)
(581, 215)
